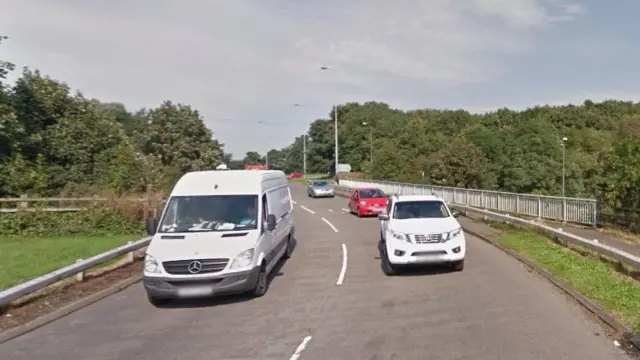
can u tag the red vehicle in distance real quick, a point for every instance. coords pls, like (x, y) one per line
(367, 201)
(295, 175)
(256, 167)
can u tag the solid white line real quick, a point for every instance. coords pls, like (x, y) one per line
(306, 208)
(330, 224)
(301, 347)
(330, 210)
(343, 271)
(345, 210)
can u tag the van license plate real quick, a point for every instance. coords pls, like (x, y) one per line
(195, 291)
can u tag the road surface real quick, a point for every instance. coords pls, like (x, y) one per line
(331, 301)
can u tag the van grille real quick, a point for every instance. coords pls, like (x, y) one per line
(427, 238)
(189, 267)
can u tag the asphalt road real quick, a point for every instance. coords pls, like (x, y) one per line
(326, 303)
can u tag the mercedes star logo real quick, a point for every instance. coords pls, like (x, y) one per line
(195, 267)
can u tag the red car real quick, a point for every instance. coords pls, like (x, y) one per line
(295, 175)
(367, 201)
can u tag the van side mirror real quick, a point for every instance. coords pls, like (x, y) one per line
(383, 216)
(455, 213)
(152, 225)
(271, 222)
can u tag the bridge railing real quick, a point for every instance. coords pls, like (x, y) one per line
(571, 210)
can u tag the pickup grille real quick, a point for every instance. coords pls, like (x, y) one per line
(427, 238)
(207, 266)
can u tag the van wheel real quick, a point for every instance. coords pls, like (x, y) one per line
(157, 301)
(289, 249)
(262, 283)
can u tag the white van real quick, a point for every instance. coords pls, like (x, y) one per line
(221, 232)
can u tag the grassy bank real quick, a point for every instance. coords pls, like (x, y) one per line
(311, 177)
(597, 280)
(23, 258)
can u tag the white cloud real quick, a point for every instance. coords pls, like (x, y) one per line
(250, 60)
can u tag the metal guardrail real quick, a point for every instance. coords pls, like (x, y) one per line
(572, 210)
(593, 245)
(48, 209)
(28, 287)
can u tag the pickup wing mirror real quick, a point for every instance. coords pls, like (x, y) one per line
(383, 215)
(455, 213)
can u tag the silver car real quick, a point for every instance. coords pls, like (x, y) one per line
(319, 188)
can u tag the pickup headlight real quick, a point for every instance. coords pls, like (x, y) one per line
(451, 234)
(363, 202)
(245, 258)
(399, 236)
(151, 264)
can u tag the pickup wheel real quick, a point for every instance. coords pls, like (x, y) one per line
(457, 266)
(157, 302)
(387, 268)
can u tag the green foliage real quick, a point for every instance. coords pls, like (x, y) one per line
(98, 220)
(52, 140)
(507, 150)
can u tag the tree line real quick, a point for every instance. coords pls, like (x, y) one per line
(506, 150)
(53, 140)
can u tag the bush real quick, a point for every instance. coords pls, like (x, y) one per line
(114, 216)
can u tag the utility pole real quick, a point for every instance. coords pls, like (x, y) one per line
(335, 124)
(304, 155)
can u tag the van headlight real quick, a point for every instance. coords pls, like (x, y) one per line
(245, 258)
(451, 234)
(151, 265)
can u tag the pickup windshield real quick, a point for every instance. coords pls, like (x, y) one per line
(210, 213)
(420, 210)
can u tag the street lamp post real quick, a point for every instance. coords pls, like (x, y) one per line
(335, 124)
(370, 142)
(564, 140)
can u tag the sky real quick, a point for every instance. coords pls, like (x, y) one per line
(244, 64)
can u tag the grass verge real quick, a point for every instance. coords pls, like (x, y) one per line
(23, 258)
(311, 177)
(595, 279)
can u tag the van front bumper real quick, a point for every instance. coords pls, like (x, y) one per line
(160, 287)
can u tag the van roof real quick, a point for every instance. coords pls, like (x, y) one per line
(230, 182)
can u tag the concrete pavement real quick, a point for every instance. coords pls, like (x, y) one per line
(326, 303)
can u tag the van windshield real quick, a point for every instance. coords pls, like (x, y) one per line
(210, 213)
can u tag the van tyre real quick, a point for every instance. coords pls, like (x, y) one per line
(457, 266)
(262, 283)
(157, 301)
(289, 250)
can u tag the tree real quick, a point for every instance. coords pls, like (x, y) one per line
(252, 157)
(507, 150)
(51, 139)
